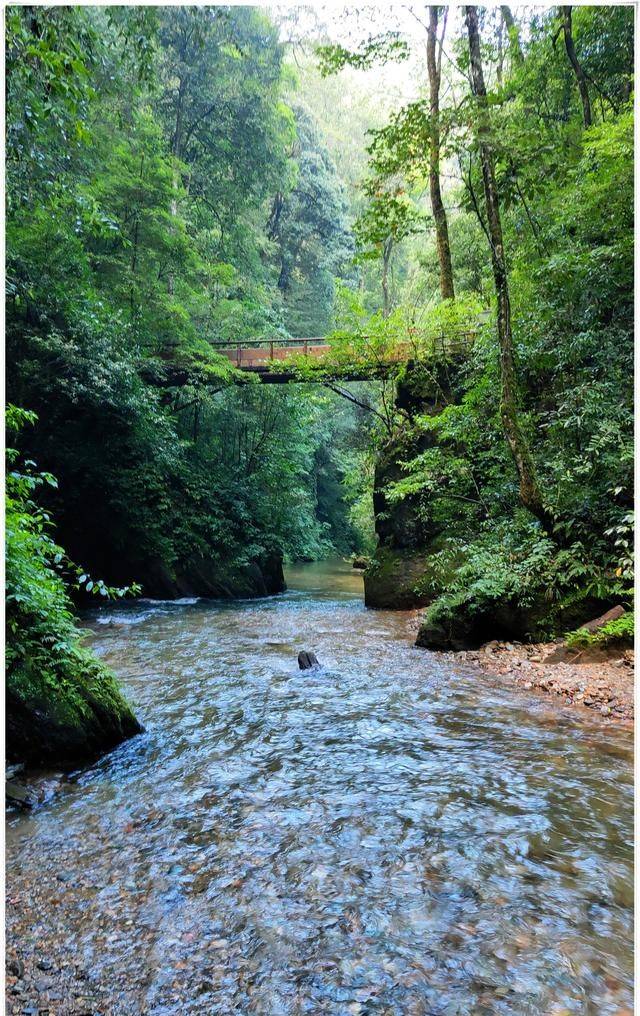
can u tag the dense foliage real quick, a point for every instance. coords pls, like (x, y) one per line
(74, 702)
(565, 192)
(164, 195)
(612, 634)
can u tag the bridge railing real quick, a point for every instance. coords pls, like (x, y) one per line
(253, 352)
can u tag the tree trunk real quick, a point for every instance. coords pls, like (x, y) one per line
(174, 213)
(530, 494)
(176, 146)
(285, 275)
(437, 206)
(274, 216)
(134, 243)
(176, 140)
(386, 259)
(575, 63)
(515, 49)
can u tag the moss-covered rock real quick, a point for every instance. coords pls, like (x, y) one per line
(66, 714)
(393, 580)
(464, 622)
(62, 705)
(400, 574)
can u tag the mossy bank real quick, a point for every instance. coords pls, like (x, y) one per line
(62, 705)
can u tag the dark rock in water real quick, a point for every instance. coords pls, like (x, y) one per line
(361, 563)
(15, 967)
(307, 660)
(16, 794)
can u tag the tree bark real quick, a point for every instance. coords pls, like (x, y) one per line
(530, 494)
(439, 214)
(176, 144)
(285, 275)
(288, 260)
(274, 215)
(581, 77)
(500, 63)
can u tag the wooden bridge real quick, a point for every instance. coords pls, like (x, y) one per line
(267, 357)
(278, 361)
(286, 361)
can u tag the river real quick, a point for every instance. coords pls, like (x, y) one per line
(388, 834)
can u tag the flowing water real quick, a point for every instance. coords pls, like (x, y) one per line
(388, 834)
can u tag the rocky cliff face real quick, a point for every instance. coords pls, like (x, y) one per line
(204, 577)
(400, 574)
(462, 627)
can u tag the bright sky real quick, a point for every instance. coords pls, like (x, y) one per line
(352, 25)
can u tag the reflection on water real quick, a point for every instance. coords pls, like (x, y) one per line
(326, 580)
(387, 835)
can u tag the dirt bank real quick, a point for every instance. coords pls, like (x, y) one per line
(601, 681)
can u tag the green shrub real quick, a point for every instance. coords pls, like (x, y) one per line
(61, 701)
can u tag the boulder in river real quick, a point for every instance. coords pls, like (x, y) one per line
(393, 580)
(15, 793)
(67, 713)
(306, 660)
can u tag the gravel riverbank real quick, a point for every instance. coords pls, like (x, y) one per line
(603, 682)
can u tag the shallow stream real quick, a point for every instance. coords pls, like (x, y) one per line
(386, 835)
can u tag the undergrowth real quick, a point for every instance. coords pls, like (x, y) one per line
(615, 633)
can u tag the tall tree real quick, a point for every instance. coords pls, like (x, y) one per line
(581, 78)
(309, 226)
(388, 220)
(530, 493)
(220, 71)
(434, 69)
(391, 144)
(515, 49)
